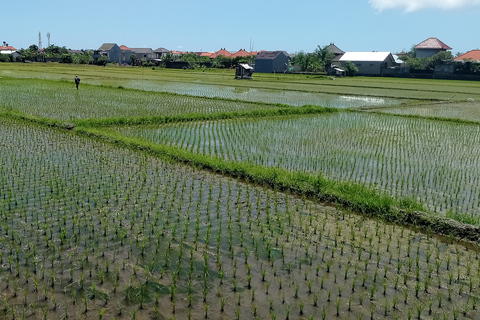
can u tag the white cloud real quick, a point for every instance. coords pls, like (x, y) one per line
(414, 5)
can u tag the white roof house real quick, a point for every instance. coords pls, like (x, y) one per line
(364, 56)
(368, 63)
(13, 53)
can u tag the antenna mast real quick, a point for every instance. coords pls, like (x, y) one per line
(48, 36)
(39, 40)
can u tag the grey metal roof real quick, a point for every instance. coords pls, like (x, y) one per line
(142, 50)
(333, 48)
(269, 54)
(161, 50)
(107, 46)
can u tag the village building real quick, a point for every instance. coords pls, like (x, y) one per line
(430, 47)
(126, 53)
(111, 50)
(335, 50)
(472, 55)
(271, 61)
(9, 50)
(368, 63)
(221, 52)
(159, 53)
(144, 53)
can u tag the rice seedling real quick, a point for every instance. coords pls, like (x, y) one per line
(104, 195)
(398, 166)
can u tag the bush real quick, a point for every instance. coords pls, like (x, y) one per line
(6, 58)
(350, 68)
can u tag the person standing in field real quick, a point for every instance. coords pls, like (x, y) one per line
(77, 81)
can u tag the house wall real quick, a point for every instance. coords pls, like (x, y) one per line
(371, 68)
(263, 65)
(146, 55)
(126, 56)
(278, 64)
(115, 54)
(426, 53)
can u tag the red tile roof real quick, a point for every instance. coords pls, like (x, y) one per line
(7, 48)
(207, 54)
(241, 53)
(222, 52)
(432, 43)
(470, 55)
(125, 48)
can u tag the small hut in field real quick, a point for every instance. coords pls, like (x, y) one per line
(243, 71)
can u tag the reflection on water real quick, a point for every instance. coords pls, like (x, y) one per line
(294, 98)
(241, 90)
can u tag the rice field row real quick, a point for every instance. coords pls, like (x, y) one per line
(395, 88)
(289, 97)
(469, 111)
(435, 162)
(89, 230)
(60, 100)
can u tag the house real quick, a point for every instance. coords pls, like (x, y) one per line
(271, 61)
(430, 47)
(241, 53)
(205, 54)
(178, 53)
(335, 50)
(158, 53)
(111, 50)
(221, 52)
(126, 53)
(472, 55)
(9, 50)
(368, 63)
(144, 53)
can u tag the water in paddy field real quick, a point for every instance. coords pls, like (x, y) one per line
(294, 98)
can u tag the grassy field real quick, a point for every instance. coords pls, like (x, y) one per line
(98, 222)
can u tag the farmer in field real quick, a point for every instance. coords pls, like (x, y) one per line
(77, 81)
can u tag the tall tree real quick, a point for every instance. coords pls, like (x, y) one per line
(324, 56)
(307, 62)
(133, 58)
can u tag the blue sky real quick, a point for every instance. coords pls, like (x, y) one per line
(192, 25)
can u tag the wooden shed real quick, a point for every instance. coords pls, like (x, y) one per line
(243, 71)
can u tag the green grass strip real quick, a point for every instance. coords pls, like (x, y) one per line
(353, 196)
(49, 122)
(307, 109)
